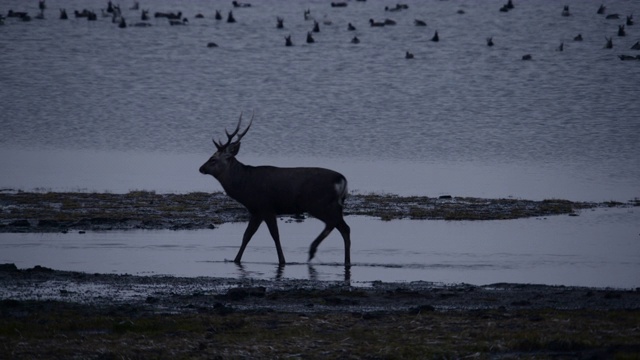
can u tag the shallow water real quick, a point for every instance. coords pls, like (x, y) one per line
(598, 248)
(87, 106)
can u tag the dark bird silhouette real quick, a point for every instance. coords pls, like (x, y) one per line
(230, 18)
(490, 41)
(310, 39)
(602, 9)
(408, 55)
(435, 37)
(287, 41)
(629, 57)
(621, 31)
(629, 20)
(636, 46)
(280, 23)
(417, 22)
(527, 57)
(561, 47)
(316, 26)
(212, 45)
(351, 27)
(578, 37)
(240, 5)
(63, 14)
(609, 44)
(376, 23)
(565, 11)
(218, 15)
(355, 40)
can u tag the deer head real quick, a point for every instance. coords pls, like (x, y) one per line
(220, 160)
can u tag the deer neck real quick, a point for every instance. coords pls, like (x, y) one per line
(234, 178)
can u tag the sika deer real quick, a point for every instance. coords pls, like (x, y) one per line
(268, 191)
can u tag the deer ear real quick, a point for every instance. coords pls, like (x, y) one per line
(233, 148)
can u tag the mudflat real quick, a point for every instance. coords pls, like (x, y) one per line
(46, 313)
(67, 211)
(55, 314)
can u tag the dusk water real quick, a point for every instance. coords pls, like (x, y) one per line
(87, 106)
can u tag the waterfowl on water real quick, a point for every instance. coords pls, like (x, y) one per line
(565, 11)
(629, 57)
(398, 7)
(408, 55)
(389, 22)
(338, 4)
(279, 23)
(287, 41)
(613, 17)
(527, 57)
(184, 21)
(435, 37)
(609, 44)
(376, 23)
(417, 22)
(355, 40)
(310, 39)
(629, 20)
(602, 9)
(490, 41)
(218, 15)
(316, 26)
(230, 18)
(636, 46)
(122, 24)
(211, 45)
(578, 37)
(240, 5)
(621, 31)
(561, 47)
(63, 14)
(351, 27)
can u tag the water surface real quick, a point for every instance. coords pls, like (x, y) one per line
(87, 106)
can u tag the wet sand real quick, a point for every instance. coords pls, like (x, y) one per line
(55, 314)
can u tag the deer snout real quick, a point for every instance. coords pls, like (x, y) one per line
(202, 170)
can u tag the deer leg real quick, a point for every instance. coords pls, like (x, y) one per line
(318, 240)
(345, 231)
(254, 223)
(272, 223)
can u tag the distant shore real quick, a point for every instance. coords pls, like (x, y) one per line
(80, 211)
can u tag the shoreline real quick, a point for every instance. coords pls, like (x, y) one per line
(123, 316)
(78, 211)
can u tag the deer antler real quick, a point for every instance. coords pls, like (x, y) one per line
(221, 146)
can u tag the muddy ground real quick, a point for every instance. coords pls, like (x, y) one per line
(65, 211)
(68, 315)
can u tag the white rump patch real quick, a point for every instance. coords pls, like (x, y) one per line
(341, 190)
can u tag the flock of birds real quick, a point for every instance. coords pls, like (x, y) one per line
(115, 13)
